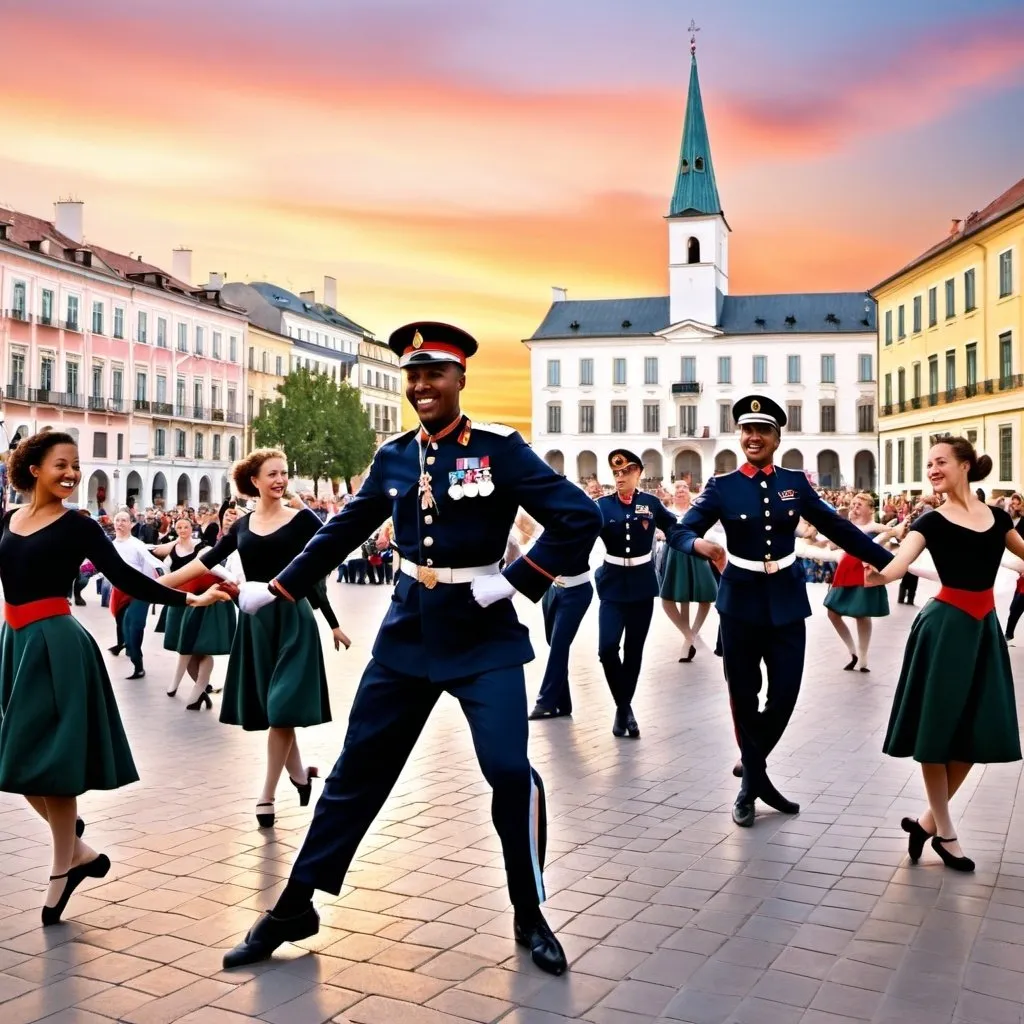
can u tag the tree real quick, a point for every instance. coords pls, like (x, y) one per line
(320, 425)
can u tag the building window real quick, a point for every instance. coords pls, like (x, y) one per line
(199, 341)
(888, 391)
(554, 418)
(650, 370)
(688, 421)
(554, 371)
(97, 382)
(901, 322)
(199, 445)
(688, 369)
(586, 419)
(619, 371)
(197, 397)
(279, 368)
(233, 349)
(97, 318)
(179, 443)
(917, 457)
(619, 417)
(72, 313)
(888, 463)
(888, 327)
(917, 314)
(586, 373)
(725, 369)
(265, 367)
(249, 403)
(969, 301)
(252, 363)
(726, 424)
(140, 386)
(71, 378)
(901, 387)
(1006, 453)
(933, 306)
(950, 371)
(46, 307)
(865, 367)
(866, 419)
(792, 369)
(1005, 281)
(232, 448)
(972, 366)
(917, 381)
(161, 390)
(182, 337)
(161, 332)
(179, 397)
(972, 436)
(232, 400)
(652, 418)
(215, 344)
(1005, 359)
(950, 298)
(141, 330)
(46, 373)
(901, 451)
(99, 444)
(760, 370)
(933, 377)
(216, 448)
(828, 417)
(18, 302)
(795, 417)
(160, 442)
(828, 369)
(117, 385)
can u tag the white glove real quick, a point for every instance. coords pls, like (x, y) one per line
(488, 589)
(254, 596)
(224, 574)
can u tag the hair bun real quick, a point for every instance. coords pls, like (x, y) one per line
(981, 468)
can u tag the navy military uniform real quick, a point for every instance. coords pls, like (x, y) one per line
(453, 498)
(626, 587)
(762, 597)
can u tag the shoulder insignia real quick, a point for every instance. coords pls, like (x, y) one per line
(495, 428)
(399, 439)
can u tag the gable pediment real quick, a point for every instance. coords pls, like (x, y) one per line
(689, 331)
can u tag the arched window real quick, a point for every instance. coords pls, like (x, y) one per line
(693, 251)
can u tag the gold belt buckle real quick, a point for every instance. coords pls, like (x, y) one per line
(427, 576)
(771, 567)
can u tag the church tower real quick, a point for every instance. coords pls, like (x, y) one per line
(698, 236)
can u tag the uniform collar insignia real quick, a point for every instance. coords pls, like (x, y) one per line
(751, 471)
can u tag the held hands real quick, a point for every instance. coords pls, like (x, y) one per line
(873, 578)
(253, 596)
(713, 552)
(340, 638)
(212, 596)
(489, 589)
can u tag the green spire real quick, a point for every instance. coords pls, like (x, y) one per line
(696, 192)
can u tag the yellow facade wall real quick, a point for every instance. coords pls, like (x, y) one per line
(265, 348)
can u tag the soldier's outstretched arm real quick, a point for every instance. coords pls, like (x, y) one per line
(705, 511)
(570, 518)
(840, 531)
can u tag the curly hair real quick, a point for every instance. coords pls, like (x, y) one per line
(31, 452)
(245, 469)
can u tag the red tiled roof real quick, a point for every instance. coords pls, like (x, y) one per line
(124, 265)
(1002, 206)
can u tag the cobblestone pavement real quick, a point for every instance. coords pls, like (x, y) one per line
(667, 911)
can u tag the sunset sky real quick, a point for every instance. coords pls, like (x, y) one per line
(454, 159)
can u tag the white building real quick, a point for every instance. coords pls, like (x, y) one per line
(659, 375)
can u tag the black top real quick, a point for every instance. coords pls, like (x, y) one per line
(209, 534)
(965, 559)
(264, 556)
(177, 561)
(45, 563)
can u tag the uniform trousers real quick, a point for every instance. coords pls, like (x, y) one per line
(745, 645)
(1016, 610)
(623, 623)
(564, 608)
(133, 626)
(387, 716)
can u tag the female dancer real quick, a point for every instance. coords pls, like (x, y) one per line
(130, 614)
(275, 677)
(954, 705)
(182, 549)
(849, 596)
(60, 733)
(687, 578)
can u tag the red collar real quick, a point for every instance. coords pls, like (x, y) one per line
(626, 501)
(751, 471)
(424, 436)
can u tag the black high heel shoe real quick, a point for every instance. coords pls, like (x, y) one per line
(306, 789)
(852, 665)
(196, 705)
(918, 837)
(96, 868)
(956, 863)
(79, 827)
(690, 655)
(265, 820)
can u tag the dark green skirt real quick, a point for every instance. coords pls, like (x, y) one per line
(687, 578)
(60, 731)
(858, 602)
(172, 626)
(954, 700)
(161, 620)
(208, 630)
(275, 674)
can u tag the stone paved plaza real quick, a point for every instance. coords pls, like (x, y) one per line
(667, 912)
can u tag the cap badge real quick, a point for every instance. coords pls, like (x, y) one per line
(417, 340)
(618, 461)
(755, 405)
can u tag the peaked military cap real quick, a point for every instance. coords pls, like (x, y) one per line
(759, 409)
(620, 458)
(429, 342)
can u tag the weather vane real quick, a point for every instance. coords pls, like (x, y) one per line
(693, 30)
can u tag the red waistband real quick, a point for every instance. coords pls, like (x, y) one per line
(977, 603)
(18, 616)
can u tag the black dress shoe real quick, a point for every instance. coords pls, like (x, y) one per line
(268, 933)
(537, 936)
(918, 837)
(743, 811)
(737, 769)
(768, 794)
(116, 649)
(540, 712)
(139, 673)
(96, 868)
(632, 728)
(956, 863)
(619, 725)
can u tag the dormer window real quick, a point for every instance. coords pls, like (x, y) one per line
(684, 167)
(698, 164)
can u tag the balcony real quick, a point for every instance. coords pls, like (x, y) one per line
(687, 387)
(1011, 382)
(97, 403)
(234, 417)
(63, 399)
(141, 405)
(163, 409)
(115, 405)
(46, 321)
(676, 432)
(71, 325)
(218, 415)
(16, 393)
(17, 314)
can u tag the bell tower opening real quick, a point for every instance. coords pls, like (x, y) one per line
(693, 250)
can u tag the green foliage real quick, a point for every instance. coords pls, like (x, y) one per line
(320, 425)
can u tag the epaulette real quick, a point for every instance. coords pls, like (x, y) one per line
(399, 439)
(495, 428)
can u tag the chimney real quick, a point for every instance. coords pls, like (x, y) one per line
(309, 297)
(69, 218)
(330, 292)
(559, 294)
(216, 282)
(954, 228)
(181, 265)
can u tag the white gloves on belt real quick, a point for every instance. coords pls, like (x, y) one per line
(488, 589)
(254, 596)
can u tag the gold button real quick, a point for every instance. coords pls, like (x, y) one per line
(428, 542)
(430, 460)
(428, 520)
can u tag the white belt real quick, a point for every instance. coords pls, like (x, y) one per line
(573, 581)
(769, 567)
(430, 575)
(639, 560)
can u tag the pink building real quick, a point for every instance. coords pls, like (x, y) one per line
(143, 368)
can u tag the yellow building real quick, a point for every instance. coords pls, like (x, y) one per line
(950, 331)
(268, 362)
